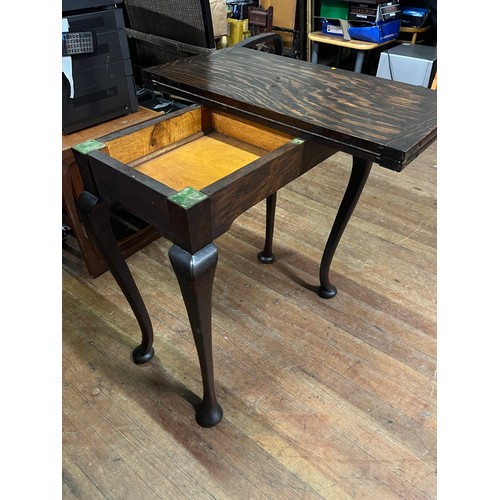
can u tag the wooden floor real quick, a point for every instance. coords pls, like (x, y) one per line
(322, 398)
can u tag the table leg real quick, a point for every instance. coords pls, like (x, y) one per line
(315, 51)
(267, 256)
(338, 57)
(195, 274)
(96, 218)
(360, 57)
(359, 174)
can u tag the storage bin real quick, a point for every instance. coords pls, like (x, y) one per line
(334, 9)
(380, 32)
(412, 17)
(331, 27)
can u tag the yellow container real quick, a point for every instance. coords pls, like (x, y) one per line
(236, 30)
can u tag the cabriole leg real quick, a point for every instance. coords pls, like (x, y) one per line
(96, 218)
(195, 274)
(267, 256)
(359, 174)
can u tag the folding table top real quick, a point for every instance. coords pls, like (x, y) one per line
(388, 122)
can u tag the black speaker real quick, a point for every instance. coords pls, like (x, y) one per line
(97, 77)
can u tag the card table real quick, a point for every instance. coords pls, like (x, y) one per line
(259, 121)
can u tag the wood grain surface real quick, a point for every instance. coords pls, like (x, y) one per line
(388, 122)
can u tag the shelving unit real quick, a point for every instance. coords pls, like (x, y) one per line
(314, 18)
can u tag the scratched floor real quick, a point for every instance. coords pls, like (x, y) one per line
(331, 399)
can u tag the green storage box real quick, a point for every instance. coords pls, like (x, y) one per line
(334, 9)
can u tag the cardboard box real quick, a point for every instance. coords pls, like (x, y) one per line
(375, 32)
(368, 32)
(412, 17)
(219, 17)
(284, 12)
(335, 27)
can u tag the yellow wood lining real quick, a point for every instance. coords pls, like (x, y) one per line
(195, 148)
(130, 147)
(199, 163)
(320, 37)
(247, 131)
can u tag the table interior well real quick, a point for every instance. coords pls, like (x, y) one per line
(195, 148)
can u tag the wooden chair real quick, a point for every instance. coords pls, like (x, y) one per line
(414, 32)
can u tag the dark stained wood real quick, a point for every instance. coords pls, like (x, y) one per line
(96, 216)
(244, 188)
(387, 122)
(363, 127)
(359, 175)
(192, 227)
(195, 274)
(322, 398)
(72, 187)
(228, 197)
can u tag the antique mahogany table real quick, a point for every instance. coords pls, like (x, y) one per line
(259, 122)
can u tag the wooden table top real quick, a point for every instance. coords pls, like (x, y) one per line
(408, 29)
(387, 122)
(319, 36)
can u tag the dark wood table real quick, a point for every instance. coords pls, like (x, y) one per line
(294, 114)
